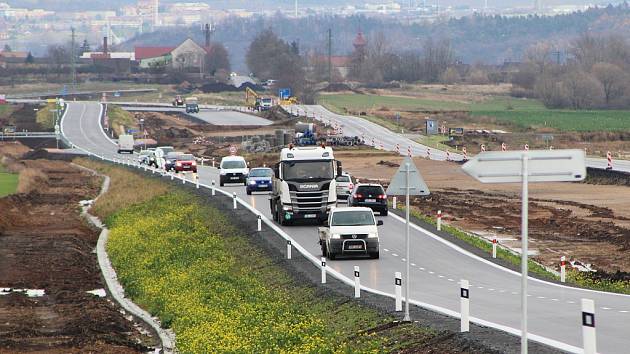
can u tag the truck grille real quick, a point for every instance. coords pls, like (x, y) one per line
(349, 236)
(309, 201)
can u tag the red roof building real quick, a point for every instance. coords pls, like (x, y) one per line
(151, 52)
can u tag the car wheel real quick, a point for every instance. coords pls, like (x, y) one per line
(248, 192)
(221, 183)
(245, 183)
(384, 212)
(375, 255)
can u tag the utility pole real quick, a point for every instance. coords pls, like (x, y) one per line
(73, 53)
(329, 56)
(296, 9)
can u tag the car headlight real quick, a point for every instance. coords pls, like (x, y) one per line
(252, 182)
(373, 235)
(287, 208)
(222, 173)
(336, 236)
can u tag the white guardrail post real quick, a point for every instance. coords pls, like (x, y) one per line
(494, 247)
(464, 294)
(357, 282)
(196, 176)
(183, 178)
(563, 269)
(288, 249)
(439, 220)
(214, 192)
(259, 221)
(394, 202)
(588, 326)
(398, 290)
(323, 267)
(234, 199)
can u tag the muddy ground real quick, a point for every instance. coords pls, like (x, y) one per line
(585, 222)
(45, 244)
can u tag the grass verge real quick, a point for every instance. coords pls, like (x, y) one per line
(119, 119)
(45, 118)
(8, 182)
(184, 262)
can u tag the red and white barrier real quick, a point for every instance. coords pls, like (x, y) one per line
(563, 269)
(398, 148)
(526, 147)
(439, 220)
(448, 156)
(483, 147)
(503, 147)
(465, 152)
(429, 153)
(382, 146)
(373, 143)
(609, 166)
(409, 151)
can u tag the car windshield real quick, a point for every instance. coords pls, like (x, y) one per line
(233, 164)
(307, 170)
(263, 172)
(167, 150)
(370, 190)
(186, 157)
(343, 179)
(266, 100)
(353, 218)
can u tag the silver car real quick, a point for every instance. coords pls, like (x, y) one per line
(344, 186)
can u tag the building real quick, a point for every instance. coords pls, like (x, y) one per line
(13, 57)
(188, 55)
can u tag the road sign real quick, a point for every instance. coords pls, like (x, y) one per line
(232, 150)
(398, 185)
(525, 166)
(543, 166)
(284, 93)
(57, 129)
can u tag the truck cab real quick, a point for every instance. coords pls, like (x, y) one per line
(304, 185)
(192, 105)
(125, 143)
(350, 231)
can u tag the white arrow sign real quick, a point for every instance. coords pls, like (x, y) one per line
(543, 166)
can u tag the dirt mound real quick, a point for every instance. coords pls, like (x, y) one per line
(218, 87)
(388, 163)
(36, 154)
(338, 87)
(598, 176)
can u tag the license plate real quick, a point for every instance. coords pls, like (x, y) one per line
(370, 200)
(310, 216)
(355, 247)
(188, 167)
(262, 185)
(233, 177)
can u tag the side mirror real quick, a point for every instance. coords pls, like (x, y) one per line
(379, 223)
(339, 169)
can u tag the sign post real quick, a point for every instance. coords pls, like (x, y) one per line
(524, 167)
(407, 181)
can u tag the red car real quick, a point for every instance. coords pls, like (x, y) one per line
(185, 163)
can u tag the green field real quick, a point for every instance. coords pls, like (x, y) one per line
(524, 113)
(8, 182)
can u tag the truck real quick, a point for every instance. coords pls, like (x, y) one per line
(125, 143)
(178, 101)
(350, 231)
(304, 186)
(192, 105)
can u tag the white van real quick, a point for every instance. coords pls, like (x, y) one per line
(233, 169)
(125, 143)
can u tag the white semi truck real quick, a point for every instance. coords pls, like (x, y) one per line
(304, 185)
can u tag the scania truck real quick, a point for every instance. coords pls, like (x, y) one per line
(304, 185)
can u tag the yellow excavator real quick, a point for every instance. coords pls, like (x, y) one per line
(256, 101)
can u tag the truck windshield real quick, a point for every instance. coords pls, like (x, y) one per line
(307, 170)
(233, 164)
(352, 218)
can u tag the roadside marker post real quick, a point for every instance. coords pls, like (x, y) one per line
(357, 282)
(429, 153)
(563, 270)
(588, 326)
(213, 162)
(398, 290)
(172, 175)
(407, 181)
(523, 167)
(483, 147)
(213, 189)
(259, 222)
(494, 247)
(234, 200)
(465, 152)
(609, 166)
(439, 220)
(464, 301)
(526, 147)
(183, 178)
(394, 202)
(503, 147)
(323, 270)
(448, 156)
(196, 176)
(288, 249)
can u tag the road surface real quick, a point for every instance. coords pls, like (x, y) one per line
(437, 266)
(214, 117)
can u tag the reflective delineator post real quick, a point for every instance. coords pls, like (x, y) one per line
(494, 248)
(259, 221)
(213, 189)
(288, 249)
(464, 294)
(196, 176)
(323, 270)
(234, 199)
(183, 178)
(202, 160)
(439, 220)
(398, 290)
(357, 282)
(394, 202)
(588, 326)
(172, 175)
(563, 270)
(213, 162)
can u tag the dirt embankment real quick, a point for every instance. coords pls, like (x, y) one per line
(46, 245)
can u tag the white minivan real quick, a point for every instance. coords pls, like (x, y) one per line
(233, 169)
(125, 143)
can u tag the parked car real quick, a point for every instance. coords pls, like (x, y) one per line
(170, 160)
(259, 179)
(344, 186)
(350, 231)
(185, 162)
(160, 155)
(147, 157)
(125, 143)
(369, 195)
(233, 169)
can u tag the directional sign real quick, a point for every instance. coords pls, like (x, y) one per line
(542, 166)
(398, 185)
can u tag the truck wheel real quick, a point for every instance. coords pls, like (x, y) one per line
(384, 212)
(220, 183)
(375, 255)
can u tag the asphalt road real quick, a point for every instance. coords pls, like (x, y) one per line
(356, 126)
(437, 266)
(214, 117)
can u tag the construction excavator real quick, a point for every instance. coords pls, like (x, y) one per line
(256, 101)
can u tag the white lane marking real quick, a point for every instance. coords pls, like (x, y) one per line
(570, 302)
(413, 264)
(623, 311)
(421, 268)
(555, 300)
(449, 279)
(394, 254)
(501, 291)
(540, 297)
(430, 272)
(514, 293)
(480, 287)
(605, 308)
(404, 260)
(385, 249)
(440, 276)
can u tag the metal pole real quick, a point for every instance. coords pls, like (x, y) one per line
(407, 318)
(524, 251)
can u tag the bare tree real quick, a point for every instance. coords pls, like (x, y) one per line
(217, 59)
(588, 50)
(539, 56)
(613, 80)
(583, 90)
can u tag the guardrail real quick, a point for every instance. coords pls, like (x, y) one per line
(27, 135)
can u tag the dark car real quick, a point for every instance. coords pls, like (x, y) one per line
(259, 179)
(170, 160)
(185, 163)
(369, 195)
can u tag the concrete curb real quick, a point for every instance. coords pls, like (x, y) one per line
(167, 336)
